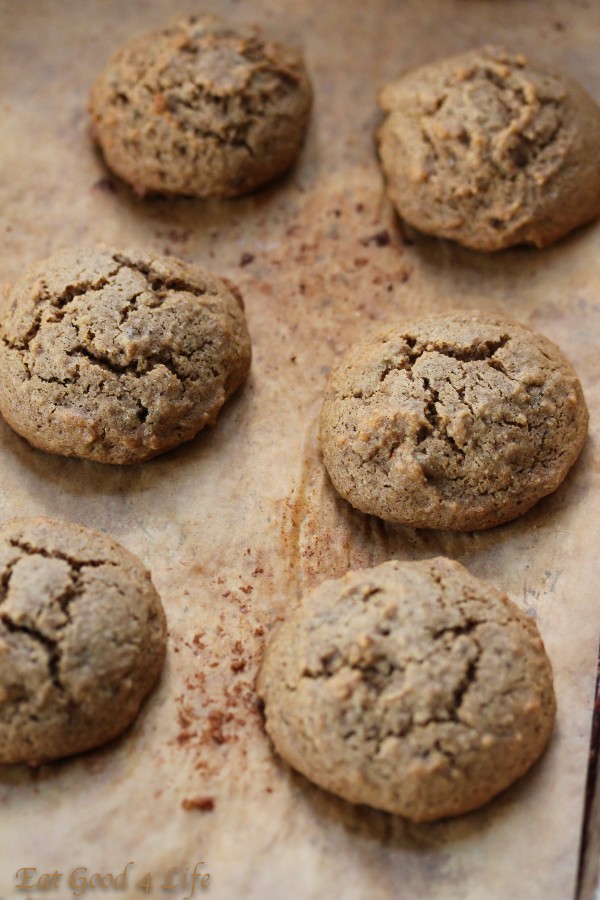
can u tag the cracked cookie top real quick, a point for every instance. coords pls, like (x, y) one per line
(118, 356)
(412, 687)
(490, 150)
(82, 639)
(201, 108)
(456, 421)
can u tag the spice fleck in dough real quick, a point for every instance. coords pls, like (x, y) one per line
(118, 356)
(201, 108)
(412, 687)
(82, 639)
(490, 150)
(457, 421)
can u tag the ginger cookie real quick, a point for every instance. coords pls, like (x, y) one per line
(457, 421)
(491, 150)
(82, 639)
(412, 687)
(201, 108)
(117, 356)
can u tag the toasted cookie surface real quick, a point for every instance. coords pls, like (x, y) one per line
(491, 150)
(457, 421)
(201, 108)
(118, 356)
(82, 639)
(412, 687)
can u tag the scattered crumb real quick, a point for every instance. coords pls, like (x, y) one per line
(203, 804)
(381, 239)
(106, 185)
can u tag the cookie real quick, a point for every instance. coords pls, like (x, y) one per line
(457, 421)
(491, 150)
(412, 687)
(82, 639)
(201, 108)
(116, 357)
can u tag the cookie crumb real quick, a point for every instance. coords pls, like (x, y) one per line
(202, 804)
(381, 239)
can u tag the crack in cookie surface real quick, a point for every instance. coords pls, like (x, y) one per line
(82, 639)
(200, 108)
(491, 150)
(127, 354)
(457, 421)
(412, 687)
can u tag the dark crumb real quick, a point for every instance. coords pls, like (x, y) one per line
(204, 804)
(337, 213)
(407, 241)
(216, 721)
(292, 359)
(179, 237)
(246, 588)
(106, 185)
(360, 261)
(246, 259)
(404, 277)
(259, 569)
(359, 207)
(559, 26)
(238, 665)
(381, 239)
(259, 631)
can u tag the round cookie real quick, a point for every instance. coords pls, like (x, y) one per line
(201, 108)
(412, 687)
(117, 356)
(82, 639)
(458, 421)
(491, 150)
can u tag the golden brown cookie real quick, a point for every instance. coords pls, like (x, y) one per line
(117, 356)
(456, 421)
(491, 150)
(412, 687)
(82, 639)
(201, 108)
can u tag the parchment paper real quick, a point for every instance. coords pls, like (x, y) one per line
(237, 523)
